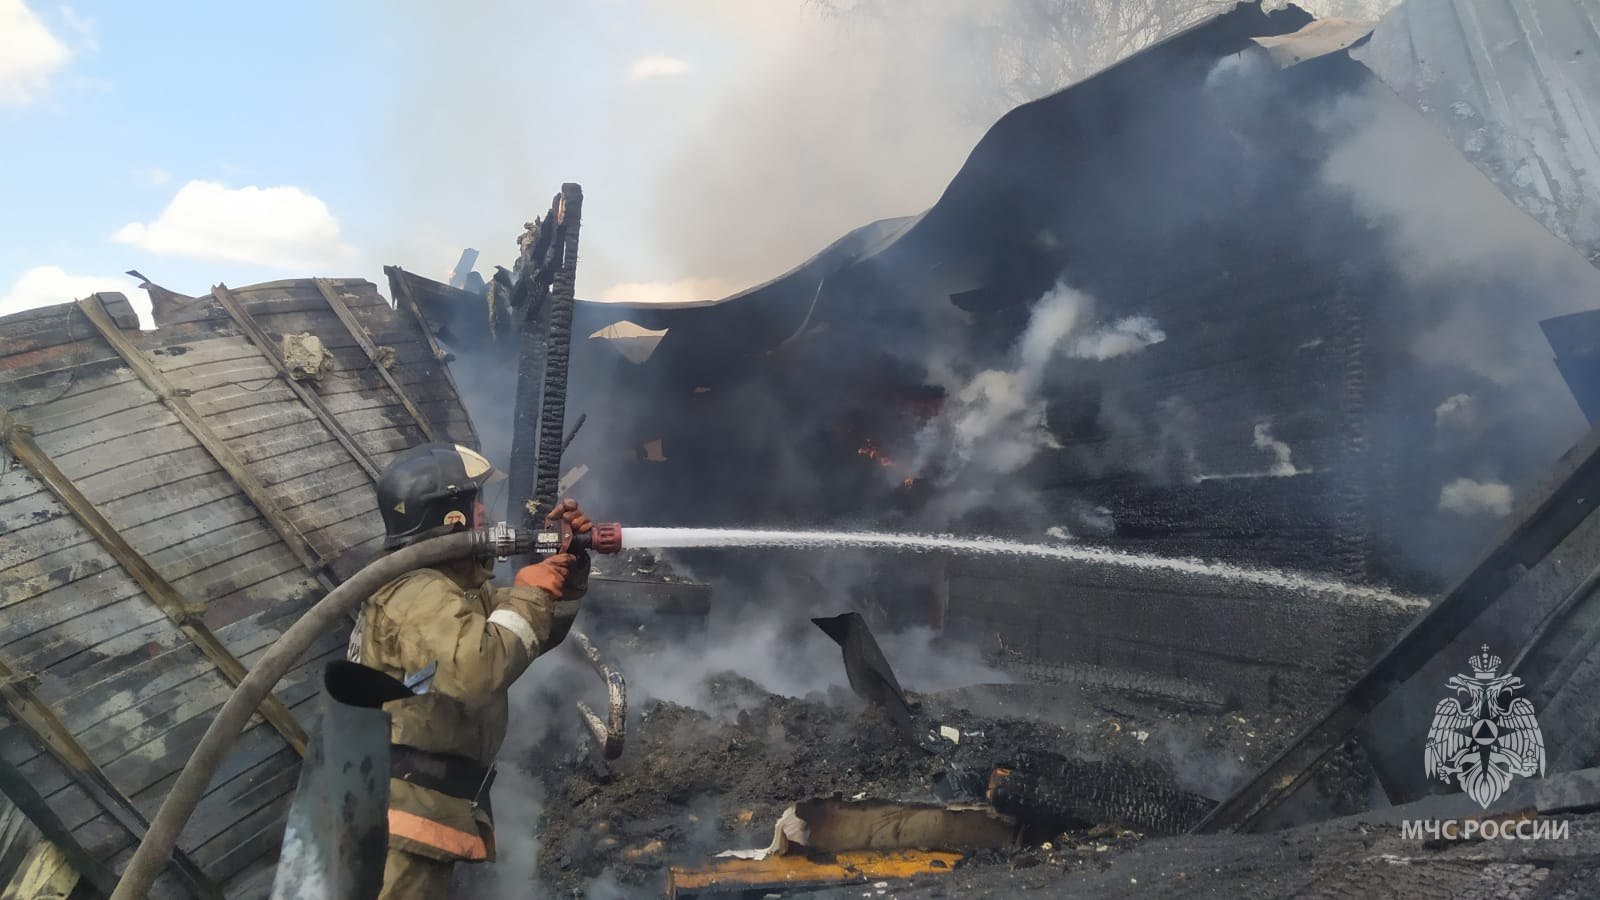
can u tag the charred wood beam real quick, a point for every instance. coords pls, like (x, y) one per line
(19, 790)
(187, 614)
(1542, 526)
(52, 735)
(173, 399)
(364, 340)
(543, 259)
(558, 348)
(258, 336)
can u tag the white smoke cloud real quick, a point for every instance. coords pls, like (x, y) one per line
(1458, 412)
(1283, 465)
(1121, 337)
(994, 421)
(1469, 497)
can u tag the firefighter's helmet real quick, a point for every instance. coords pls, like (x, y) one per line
(428, 491)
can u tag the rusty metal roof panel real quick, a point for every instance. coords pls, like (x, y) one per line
(1516, 86)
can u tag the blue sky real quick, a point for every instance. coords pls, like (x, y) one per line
(205, 143)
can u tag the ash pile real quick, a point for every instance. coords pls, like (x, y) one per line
(731, 788)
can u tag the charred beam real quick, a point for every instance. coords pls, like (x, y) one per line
(538, 264)
(19, 790)
(558, 347)
(364, 340)
(173, 399)
(258, 336)
(51, 734)
(187, 614)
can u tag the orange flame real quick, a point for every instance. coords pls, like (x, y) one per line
(870, 450)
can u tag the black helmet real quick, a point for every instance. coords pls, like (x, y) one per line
(430, 489)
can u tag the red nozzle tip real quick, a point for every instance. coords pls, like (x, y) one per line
(606, 537)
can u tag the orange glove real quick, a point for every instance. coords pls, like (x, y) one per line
(569, 512)
(548, 575)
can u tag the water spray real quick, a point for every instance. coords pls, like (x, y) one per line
(612, 538)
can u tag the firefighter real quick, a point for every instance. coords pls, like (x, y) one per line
(450, 629)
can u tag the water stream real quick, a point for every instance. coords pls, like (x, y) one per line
(681, 538)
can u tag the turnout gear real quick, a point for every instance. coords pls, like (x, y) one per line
(478, 639)
(548, 575)
(429, 491)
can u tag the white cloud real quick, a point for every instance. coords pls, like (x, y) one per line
(658, 66)
(29, 54)
(280, 227)
(82, 26)
(684, 290)
(1467, 497)
(49, 285)
(153, 176)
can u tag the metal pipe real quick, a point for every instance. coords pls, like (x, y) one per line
(329, 612)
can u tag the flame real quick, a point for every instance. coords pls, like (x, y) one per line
(869, 449)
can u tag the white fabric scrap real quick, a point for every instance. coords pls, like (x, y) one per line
(790, 829)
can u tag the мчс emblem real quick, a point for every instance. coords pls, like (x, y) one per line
(1483, 735)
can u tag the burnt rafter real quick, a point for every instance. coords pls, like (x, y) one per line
(42, 723)
(184, 612)
(258, 336)
(364, 340)
(174, 399)
(542, 302)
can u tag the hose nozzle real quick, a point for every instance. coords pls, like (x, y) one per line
(605, 537)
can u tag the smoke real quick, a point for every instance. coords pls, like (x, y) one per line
(1283, 466)
(761, 630)
(1469, 497)
(1120, 338)
(1458, 413)
(994, 422)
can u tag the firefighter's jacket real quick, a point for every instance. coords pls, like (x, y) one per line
(482, 638)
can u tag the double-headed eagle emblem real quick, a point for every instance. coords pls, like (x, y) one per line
(1483, 736)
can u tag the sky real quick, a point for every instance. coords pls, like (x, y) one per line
(237, 143)
(719, 142)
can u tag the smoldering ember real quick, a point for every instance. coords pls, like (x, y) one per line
(1195, 500)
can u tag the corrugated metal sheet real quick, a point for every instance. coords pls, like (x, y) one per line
(1516, 85)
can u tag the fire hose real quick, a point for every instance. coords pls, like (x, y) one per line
(499, 542)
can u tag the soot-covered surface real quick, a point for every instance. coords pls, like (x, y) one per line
(693, 783)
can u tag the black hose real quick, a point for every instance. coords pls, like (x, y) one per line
(155, 851)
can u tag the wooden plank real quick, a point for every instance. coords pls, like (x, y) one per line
(337, 303)
(91, 396)
(54, 570)
(48, 730)
(29, 802)
(242, 318)
(39, 539)
(96, 434)
(252, 488)
(185, 613)
(21, 622)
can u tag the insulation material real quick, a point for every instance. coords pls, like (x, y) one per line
(305, 356)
